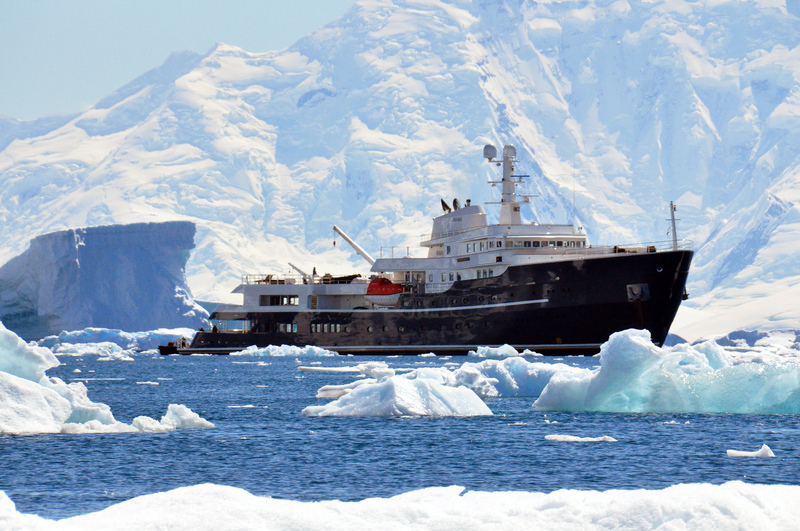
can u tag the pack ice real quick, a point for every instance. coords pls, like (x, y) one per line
(31, 402)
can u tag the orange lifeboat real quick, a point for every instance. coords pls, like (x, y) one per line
(383, 292)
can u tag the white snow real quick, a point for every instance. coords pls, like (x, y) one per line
(31, 402)
(764, 451)
(688, 506)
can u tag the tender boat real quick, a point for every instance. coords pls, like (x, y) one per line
(529, 285)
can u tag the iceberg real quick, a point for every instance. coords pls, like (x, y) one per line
(79, 342)
(128, 277)
(764, 451)
(635, 376)
(422, 392)
(688, 506)
(33, 403)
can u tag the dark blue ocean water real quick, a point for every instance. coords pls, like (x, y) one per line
(273, 449)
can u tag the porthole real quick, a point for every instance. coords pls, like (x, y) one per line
(659, 269)
(481, 298)
(369, 329)
(466, 300)
(401, 328)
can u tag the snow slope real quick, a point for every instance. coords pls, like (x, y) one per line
(615, 107)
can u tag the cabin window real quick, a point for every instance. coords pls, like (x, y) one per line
(294, 328)
(536, 244)
(551, 244)
(481, 246)
(526, 243)
(278, 300)
(491, 273)
(452, 278)
(560, 243)
(448, 249)
(458, 276)
(469, 247)
(491, 245)
(430, 277)
(325, 328)
(444, 277)
(499, 244)
(517, 244)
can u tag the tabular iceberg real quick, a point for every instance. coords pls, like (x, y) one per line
(129, 277)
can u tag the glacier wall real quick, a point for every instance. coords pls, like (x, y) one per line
(128, 277)
(616, 107)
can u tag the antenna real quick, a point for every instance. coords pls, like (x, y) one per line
(672, 209)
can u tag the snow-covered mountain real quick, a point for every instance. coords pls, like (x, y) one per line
(615, 108)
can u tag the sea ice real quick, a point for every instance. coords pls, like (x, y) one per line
(423, 395)
(503, 351)
(31, 402)
(572, 438)
(687, 506)
(283, 350)
(81, 342)
(764, 451)
(637, 376)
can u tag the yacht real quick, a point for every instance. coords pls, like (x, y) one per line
(533, 286)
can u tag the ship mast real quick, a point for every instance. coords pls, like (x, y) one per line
(509, 202)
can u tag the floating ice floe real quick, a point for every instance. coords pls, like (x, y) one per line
(572, 438)
(764, 451)
(31, 402)
(637, 376)
(422, 392)
(504, 351)
(283, 351)
(688, 506)
(127, 341)
(105, 351)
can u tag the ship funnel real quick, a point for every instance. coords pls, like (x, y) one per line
(509, 152)
(489, 152)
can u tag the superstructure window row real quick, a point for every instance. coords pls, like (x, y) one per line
(278, 300)
(477, 247)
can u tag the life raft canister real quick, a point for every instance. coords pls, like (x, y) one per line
(383, 292)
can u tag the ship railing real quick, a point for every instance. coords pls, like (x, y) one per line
(428, 238)
(627, 248)
(289, 278)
